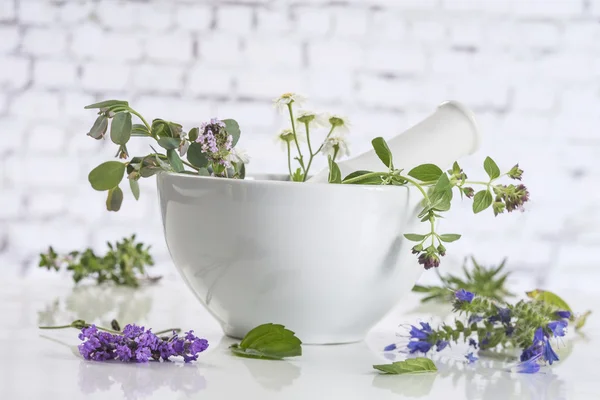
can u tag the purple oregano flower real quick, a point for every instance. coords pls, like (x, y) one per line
(138, 344)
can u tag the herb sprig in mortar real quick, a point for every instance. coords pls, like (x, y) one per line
(209, 149)
(437, 188)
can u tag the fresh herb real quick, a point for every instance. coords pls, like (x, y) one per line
(124, 263)
(209, 149)
(555, 300)
(437, 186)
(134, 343)
(489, 324)
(270, 342)
(417, 365)
(487, 282)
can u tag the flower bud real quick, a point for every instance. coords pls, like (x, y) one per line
(515, 172)
(79, 324)
(417, 249)
(441, 250)
(498, 207)
(469, 192)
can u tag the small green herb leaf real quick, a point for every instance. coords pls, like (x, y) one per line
(297, 176)
(114, 199)
(413, 237)
(135, 188)
(196, 157)
(108, 104)
(233, 128)
(550, 298)
(383, 151)
(193, 135)
(491, 168)
(450, 237)
(335, 175)
(99, 129)
(269, 341)
(411, 366)
(107, 175)
(203, 172)
(175, 161)
(481, 201)
(120, 128)
(426, 172)
(580, 320)
(169, 143)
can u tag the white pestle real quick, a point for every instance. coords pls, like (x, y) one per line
(446, 135)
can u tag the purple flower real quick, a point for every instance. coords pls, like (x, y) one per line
(429, 260)
(474, 318)
(472, 342)
(138, 344)
(549, 353)
(417, 345)
(564, 314)
(558, 327)
(463, 295)
(539, 348)
(390, 347)
(440, 345)
(471, 358)
(502, 316)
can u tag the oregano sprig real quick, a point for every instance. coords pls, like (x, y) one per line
(209, 149)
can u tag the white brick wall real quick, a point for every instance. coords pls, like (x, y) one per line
(529, 68)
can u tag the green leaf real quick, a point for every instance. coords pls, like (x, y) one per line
(580, 320)
(233, 128)
(107, 175)
(383, 151)
(550, 298)
(411, 366)
(203, 172)
(269, 341)
(196, 157)
(335, 175)
(99, 128)
(298, 176)
(169, 143)
(450, 237)
(114, 199)
(481, 201)
(491, 168)
(175, 161)
(426, 172)
(160, 128)
(413, 237)
(193, 135)
(359, 178)
(442, 184)
(135, 188)
(108, 104)
(120, 128)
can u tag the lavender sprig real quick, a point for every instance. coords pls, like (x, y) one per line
(135, 343)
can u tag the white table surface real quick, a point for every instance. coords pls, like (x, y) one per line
(38, 364)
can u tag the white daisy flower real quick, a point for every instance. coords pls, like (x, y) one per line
(281, 103)
(304, 116)
(336, 144)
(341, 123)
(286, 136)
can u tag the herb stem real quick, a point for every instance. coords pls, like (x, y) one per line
(55, 327)
(289, 157)
(176, 330)
(300, 158)
(418, 186)
(361, 177)
(326, 137)
(312, 155)
(190, 165)
(131, 110)
(478, 183)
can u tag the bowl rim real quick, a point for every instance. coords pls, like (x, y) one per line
(289, 184)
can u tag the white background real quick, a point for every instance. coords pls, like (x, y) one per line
(529, 69)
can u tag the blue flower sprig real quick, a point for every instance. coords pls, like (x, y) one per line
(134, 343)
(528, 325)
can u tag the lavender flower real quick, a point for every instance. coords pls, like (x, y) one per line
(463, 295)
(215, 142)
(138, 344)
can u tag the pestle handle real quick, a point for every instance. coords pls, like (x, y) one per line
(446, 135)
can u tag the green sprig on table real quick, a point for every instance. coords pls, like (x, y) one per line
(124, 263)
(270, 342)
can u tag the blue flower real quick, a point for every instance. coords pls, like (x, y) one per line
(417, 345)
(441, 345)
(529, 366)
(564, 314)
(423, 333)
(463, 295)
(390, 347)
(471, 358)
(558, 327)
(472, 342)
(549, 353)
(502, 316)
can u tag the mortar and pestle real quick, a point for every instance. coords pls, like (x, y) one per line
(327, 261)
